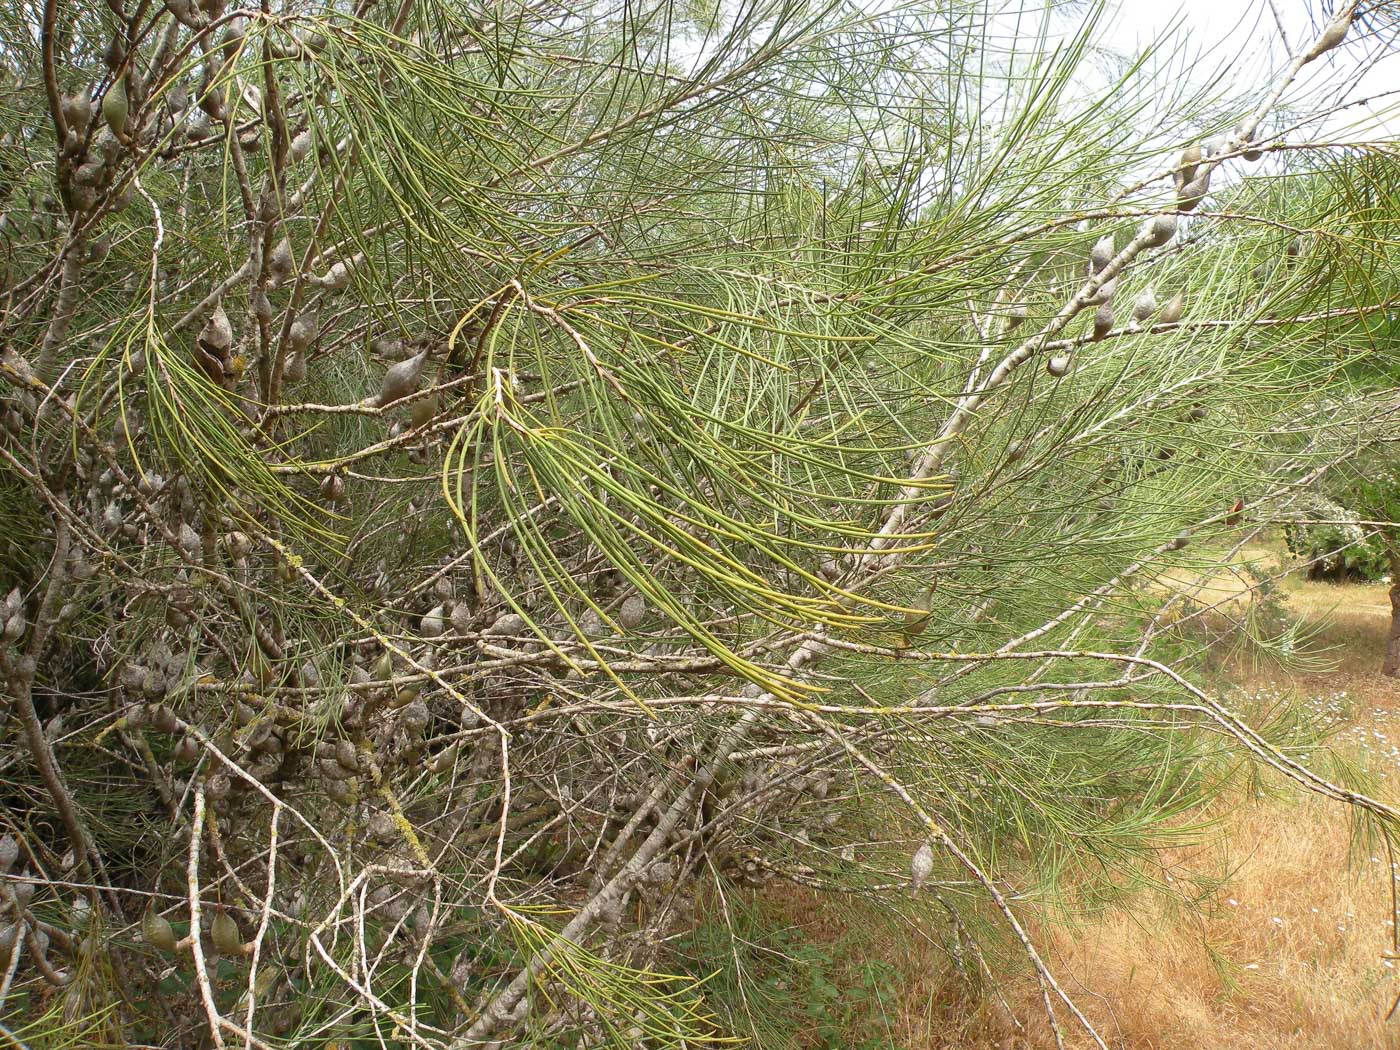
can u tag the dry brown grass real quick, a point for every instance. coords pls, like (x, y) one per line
(1287, 949)
(1287, 953)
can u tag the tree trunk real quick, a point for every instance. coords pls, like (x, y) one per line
(1391, 665)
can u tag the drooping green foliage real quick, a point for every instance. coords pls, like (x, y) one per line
(482, 483)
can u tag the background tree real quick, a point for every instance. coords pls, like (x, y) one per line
(1349, 529)
(481, 483)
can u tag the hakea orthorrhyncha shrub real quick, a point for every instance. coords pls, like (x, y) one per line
(462, 527)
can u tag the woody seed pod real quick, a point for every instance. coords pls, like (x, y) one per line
(115, 109)
(592, 626)
(310, 676)
(442, 759)
(340, 791)
(279, 261)
(216, 337)
(384, 667)
(197, 126)
(332, 488)
(223, 932)
(337, 278)
(238, 545)
(1145, 305)
(284, 1019)
(461, 618)
(301, 146)
(1105, 291)
(916, 619)
(1193, 192)
(218, 787)
(262, 307)
(1058, 365)
(14, 626)
(388, 348)
(189, 541)
(423, 410)
(163, 719)
(1171, 313)
(77, 110)
(346, 755)
(414, 718)
(1158, 230)
(920, 867)
(1181, 539)
(1101, 254)
(187, 750)
(82, 198)
(9, 852)
(1334, 33)
(633, 611)
(1186, 167)
(303, 332)
(1017, 315)
(1103, 321)
(433, 622)
(507, 624)
(132, 678)
(157, 683)
(381, 826)
(402, 379)
(157, 931)
(232, 38)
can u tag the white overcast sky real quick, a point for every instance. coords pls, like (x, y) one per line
(1244, 35)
